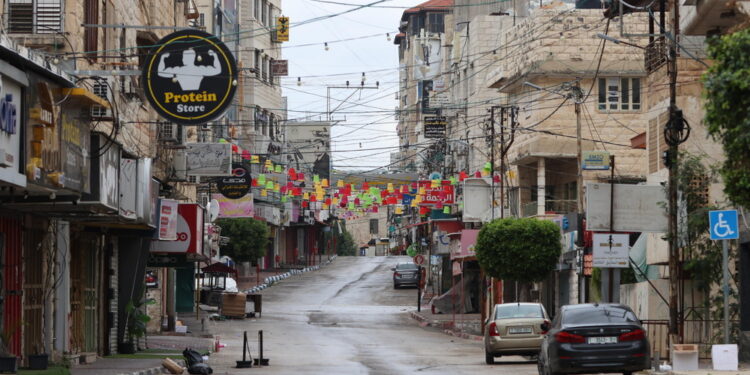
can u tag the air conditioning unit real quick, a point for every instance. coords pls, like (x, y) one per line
(101, 89)
(179, 167)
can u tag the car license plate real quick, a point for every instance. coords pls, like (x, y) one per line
(603, 340)
(514, 330)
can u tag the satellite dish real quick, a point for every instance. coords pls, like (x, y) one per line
(436, 176)
(213, 210)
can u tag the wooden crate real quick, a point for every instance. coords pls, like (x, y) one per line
(233, 305)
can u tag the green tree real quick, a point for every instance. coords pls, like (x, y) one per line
(524, 250)
(248, 238)
(344, 241)
(727, 91)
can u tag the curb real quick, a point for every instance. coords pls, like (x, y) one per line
(268, 281)
(446, 326)
(150, 371)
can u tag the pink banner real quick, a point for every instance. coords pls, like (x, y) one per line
(233, 208)
(468, 241)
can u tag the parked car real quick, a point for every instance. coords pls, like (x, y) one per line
(405, 274)
(594, 338)
(514, 329)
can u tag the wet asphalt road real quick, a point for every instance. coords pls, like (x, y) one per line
(346, 318)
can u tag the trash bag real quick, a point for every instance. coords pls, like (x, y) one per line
(200, 369)
(192, 358)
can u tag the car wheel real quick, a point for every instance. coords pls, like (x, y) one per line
(627, 373)
(540, 367)
(395, 286)
(489, 358)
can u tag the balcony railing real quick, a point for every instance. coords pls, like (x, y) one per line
(655, 55)
(557, 206)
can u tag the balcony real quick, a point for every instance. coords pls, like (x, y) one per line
(655, 55)
(551, 207)
(39, 22)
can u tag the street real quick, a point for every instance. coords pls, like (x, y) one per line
(346, 318)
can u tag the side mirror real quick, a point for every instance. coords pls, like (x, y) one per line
(545, 327)
(393, 269)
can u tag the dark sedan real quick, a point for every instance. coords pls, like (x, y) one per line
(405, 274)
(594, 338)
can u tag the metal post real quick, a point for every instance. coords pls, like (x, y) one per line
(725, 287)
(419, 288)
(674, 251)
(492, 161)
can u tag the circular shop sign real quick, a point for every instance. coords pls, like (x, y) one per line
(190, 77)
(237, 185)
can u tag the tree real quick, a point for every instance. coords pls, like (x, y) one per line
(728, 110)
(524, 250)
(344, 241)
(248, 238)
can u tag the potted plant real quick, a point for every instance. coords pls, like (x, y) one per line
(8, 361)
(38, 361)
(135, 323)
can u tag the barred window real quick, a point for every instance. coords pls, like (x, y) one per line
(619, 94)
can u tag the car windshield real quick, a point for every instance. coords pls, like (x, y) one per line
(406, 266)
(518, 311)
(609, 314)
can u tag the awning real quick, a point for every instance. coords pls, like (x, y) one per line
(219, 268)
(81, 96)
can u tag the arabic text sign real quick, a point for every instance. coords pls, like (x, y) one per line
(611, 250)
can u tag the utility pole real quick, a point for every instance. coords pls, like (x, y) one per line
(577, 95)
(492, 161)
(676, 131)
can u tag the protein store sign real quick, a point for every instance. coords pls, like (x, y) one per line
(190, 77)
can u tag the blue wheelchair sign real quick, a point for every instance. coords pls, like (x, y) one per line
(723, 225)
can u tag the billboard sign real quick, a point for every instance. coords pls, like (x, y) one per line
(435, 126)
(595, 160)
(611, 250)
(234, 208)
(168, 219)
(237, 185)
(637, 208)
(189, 232)
(209, 159)
(190, 77)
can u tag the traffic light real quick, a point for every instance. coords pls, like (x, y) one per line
(282, 29)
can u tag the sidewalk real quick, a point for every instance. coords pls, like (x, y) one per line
(466, 326)
(118, 366)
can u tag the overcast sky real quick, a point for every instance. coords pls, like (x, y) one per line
(367, 130)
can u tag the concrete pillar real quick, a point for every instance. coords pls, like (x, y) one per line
(540, 182)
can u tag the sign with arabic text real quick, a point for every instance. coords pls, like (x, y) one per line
(434, 126)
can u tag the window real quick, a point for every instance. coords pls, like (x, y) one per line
(435, 23)
(619, 94)
(90, 34)
(256, 10)
(373, 226)
(258, 67)
(596, 315)
(417, 23)
(34, 16)
(269, 22)
(264, 12)
(518, 311)
(264, 75)
(257, 120)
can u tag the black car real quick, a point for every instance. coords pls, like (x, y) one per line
(405, 274)
(594, 338)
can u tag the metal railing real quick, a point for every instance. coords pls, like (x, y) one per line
(703, 333)
(655, 55)
(556, 206)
